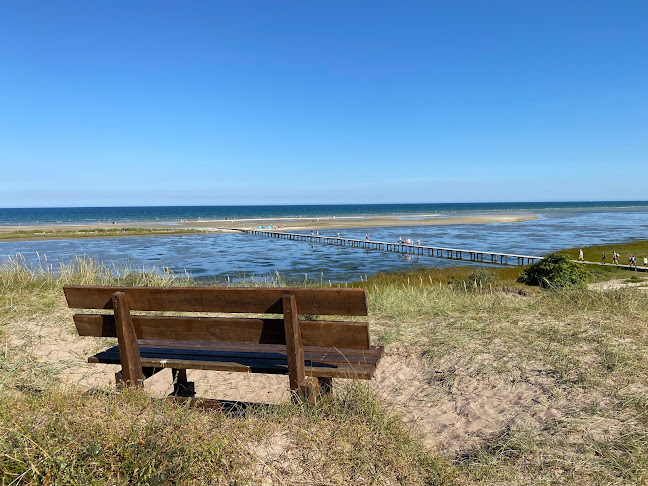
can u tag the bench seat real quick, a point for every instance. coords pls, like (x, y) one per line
(259, 358)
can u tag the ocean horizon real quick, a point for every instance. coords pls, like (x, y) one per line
(173, 214)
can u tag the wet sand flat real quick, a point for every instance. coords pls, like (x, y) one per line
(286, 224)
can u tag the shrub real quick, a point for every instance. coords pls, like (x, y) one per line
(555, 270)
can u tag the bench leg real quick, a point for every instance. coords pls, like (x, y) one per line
(121, 383)
(147, 371)
(325, 385)
(307, 390)
(182, 387)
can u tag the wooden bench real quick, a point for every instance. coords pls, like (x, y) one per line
(311, 352)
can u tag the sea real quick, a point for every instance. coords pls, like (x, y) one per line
(236, 257)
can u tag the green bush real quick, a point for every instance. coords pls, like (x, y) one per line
(555, 270)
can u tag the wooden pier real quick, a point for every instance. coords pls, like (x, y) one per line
(490, 257)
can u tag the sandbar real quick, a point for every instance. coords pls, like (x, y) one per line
(388, 221)
(55, 231)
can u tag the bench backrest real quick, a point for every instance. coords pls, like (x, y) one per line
(318, 301)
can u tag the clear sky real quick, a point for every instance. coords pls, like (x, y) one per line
(280, 102)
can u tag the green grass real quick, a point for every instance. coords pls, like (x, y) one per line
(93, 233)
(594, 253)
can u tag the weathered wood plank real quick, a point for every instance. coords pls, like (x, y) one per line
(132, 373)
(261, 348)
(225, 352)
(219, 329)
(358, 371)
(294, 348)
(318, 301)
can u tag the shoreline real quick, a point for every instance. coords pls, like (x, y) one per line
(115, 230)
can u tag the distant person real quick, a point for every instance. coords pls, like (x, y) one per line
(418, 242)
(603, 258)
(400, 240)
(580, 255)
(338, 235)
(367, 237)
(615, 255)
(645, 262)
(317, 233)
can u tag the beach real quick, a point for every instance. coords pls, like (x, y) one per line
(329, 222)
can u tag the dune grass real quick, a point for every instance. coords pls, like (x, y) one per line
(584, 354)
(53, 234)
(52, 434)
(585, 351)
(55, 437)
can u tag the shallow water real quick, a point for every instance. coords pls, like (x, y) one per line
(243, 256)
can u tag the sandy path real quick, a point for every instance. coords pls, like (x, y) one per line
(453, 411)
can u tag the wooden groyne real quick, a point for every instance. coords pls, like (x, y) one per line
(491, 257)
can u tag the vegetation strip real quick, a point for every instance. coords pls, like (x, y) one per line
(94, 233)
(545, 386)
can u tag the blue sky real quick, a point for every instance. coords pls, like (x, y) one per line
(278, 102)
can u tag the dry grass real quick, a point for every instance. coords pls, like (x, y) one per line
(53, 434)
(583, 353)
(54, 437)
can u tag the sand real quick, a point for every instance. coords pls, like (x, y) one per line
(451, 409)
(281, 223)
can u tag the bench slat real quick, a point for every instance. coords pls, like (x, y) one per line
(318, 301)
(341, 334)
(371, 355)
(160, 358)
(269, 352)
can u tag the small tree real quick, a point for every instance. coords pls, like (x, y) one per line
(555, 270)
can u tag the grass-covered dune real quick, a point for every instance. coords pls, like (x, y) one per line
(485, 381)
(638, 248)
(49, 233)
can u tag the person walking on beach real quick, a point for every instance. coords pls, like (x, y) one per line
(580, 255)
(603, 258)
